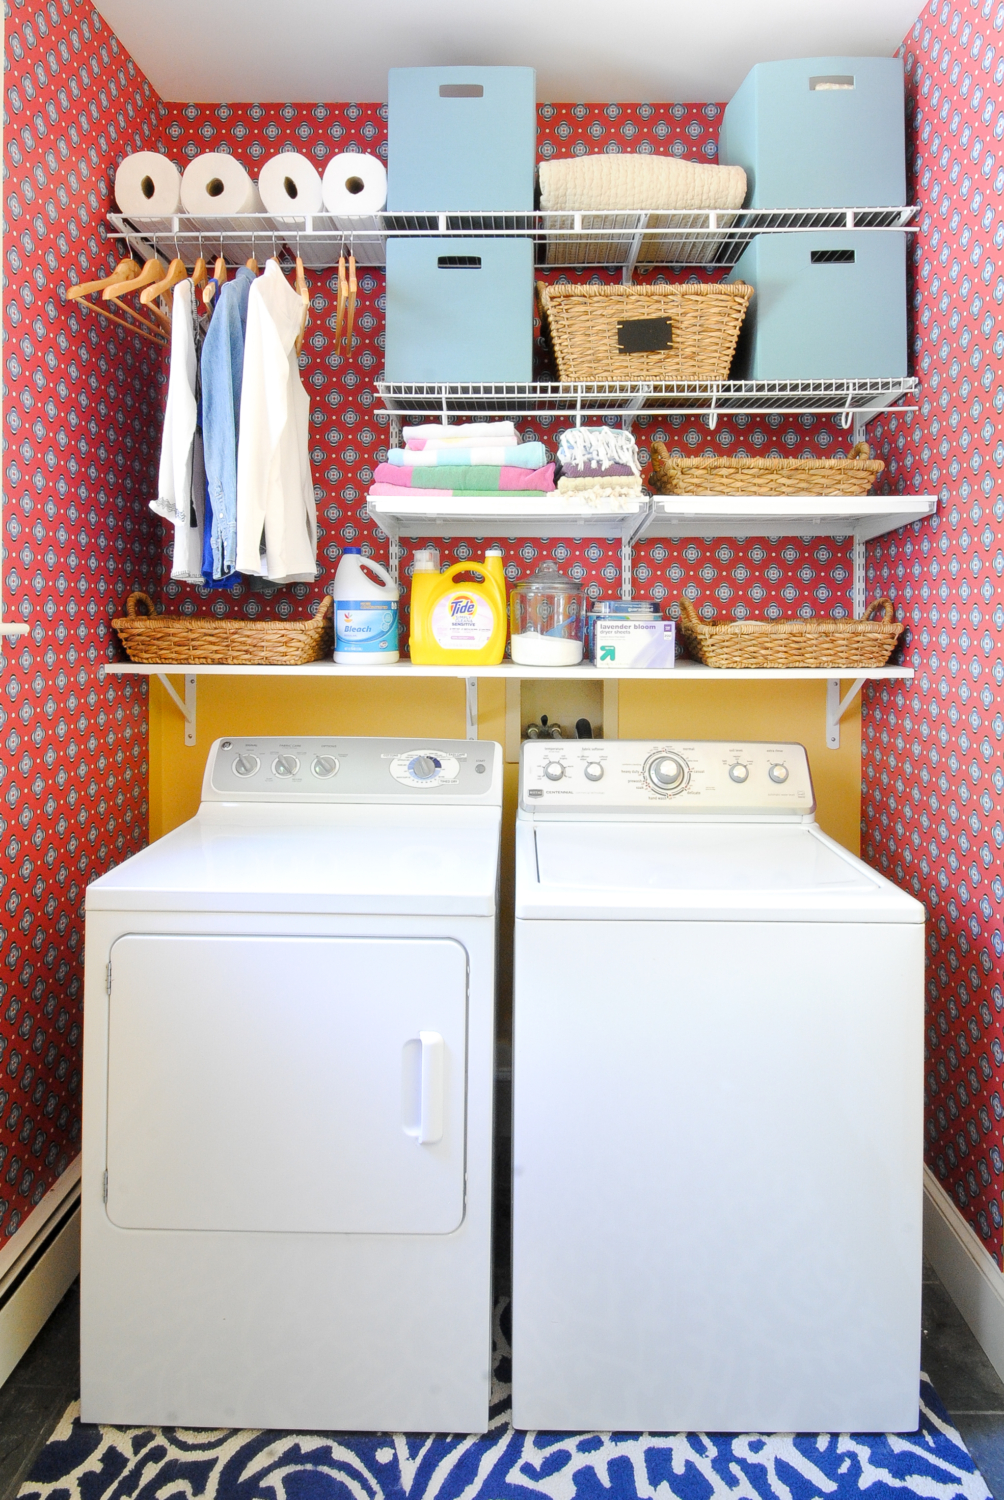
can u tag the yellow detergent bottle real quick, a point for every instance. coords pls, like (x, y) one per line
(457, 623)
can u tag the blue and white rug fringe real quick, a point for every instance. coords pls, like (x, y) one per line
(111, 1463)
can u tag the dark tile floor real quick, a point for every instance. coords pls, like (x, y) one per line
(48, 1379)
(965, 1380)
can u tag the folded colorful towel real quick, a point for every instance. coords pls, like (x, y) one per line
(631, 485)
(466, 477)
(463, 433)
(579, 446)
(594, 471)
(516, 455)
(405, 492)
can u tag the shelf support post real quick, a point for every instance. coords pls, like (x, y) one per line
(836, 707)
(471, 709)
(860, 581)
(186, 705)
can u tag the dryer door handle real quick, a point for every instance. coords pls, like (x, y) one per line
(430, 1128)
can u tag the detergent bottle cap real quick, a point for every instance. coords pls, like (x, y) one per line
(426, 560)
(347, 550)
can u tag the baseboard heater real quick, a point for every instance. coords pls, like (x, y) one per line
(37, 1265)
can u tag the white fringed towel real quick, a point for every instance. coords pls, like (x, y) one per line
(622, 181)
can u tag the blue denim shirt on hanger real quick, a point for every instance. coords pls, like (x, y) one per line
(222, 368)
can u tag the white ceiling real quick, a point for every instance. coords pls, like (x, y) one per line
(328, 50)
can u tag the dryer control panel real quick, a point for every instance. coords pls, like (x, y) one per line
(348, 769)
(679, 778)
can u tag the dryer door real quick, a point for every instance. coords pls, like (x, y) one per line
(287, 1083)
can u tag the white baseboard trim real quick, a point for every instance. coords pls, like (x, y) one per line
(37, 1265)
(970, 1276)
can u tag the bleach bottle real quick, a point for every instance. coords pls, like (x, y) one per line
(365, 611)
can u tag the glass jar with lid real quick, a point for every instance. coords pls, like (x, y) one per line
(547, 619)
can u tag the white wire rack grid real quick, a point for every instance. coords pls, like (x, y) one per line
(853, 402)
(621, 240)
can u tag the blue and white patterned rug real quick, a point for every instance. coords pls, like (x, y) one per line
(82, 1461)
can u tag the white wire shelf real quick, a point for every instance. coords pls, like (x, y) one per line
(619, 239)
(855, 402)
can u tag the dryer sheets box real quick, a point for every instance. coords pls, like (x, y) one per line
(635, 643)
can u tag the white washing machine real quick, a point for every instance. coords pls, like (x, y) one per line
(717, 1101)
(288, 1063)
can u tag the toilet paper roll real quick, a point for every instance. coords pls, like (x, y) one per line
(147, 183)
(289, 183)
(217, 184)
(354, 184)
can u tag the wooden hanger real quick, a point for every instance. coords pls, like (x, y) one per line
(304, 290)
(176, 272)
(350, 311)
(125, 272)
(200, 273)
(252, 265)
(343, 294)
(152, 272)
(218, 278)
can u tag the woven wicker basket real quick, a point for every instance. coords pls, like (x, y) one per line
(586, 324)
(672, 475)
(792, 643)
(151, 637)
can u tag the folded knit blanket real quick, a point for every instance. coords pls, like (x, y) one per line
(516, 455)
(404, 492)
(466, 477)
(627, 180)
(464, 432)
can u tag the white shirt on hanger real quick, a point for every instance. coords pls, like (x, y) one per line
(276, 514)
(176, 500)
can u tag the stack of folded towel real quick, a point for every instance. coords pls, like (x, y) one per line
(479, 459)
(599, 467)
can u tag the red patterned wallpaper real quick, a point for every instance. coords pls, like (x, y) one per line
(81, 409)
(350, 434)
(933, 777)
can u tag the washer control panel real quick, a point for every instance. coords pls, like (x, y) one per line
(352, 770)
(719, 778)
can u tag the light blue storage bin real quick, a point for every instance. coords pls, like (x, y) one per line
(459, 310)
(827, 306)
(461, 138)
(819, 132)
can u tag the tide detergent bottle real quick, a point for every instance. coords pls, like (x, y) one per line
(458, 617)
(365, 611)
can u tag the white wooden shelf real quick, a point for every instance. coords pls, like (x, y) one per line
(685, 671)
(688, 671)
(862, 517)
(616, 239)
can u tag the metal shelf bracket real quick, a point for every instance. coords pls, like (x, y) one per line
(836, 707)
(185, 706)
(471, 711)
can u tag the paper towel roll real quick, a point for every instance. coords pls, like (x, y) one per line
(147, 183)
(217, 184)
(290, 184)
(354, 184)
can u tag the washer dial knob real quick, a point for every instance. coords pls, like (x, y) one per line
(554, 770)
(739, 772)
(593, 771)
(778, 773)
(324, 766)
(246, 765)
(667, 773)
(285, 766)
(424, 767)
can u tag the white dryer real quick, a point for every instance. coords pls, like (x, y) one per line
(717, 1101)
(288, 1062)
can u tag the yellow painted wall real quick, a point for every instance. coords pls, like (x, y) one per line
(434, 707)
